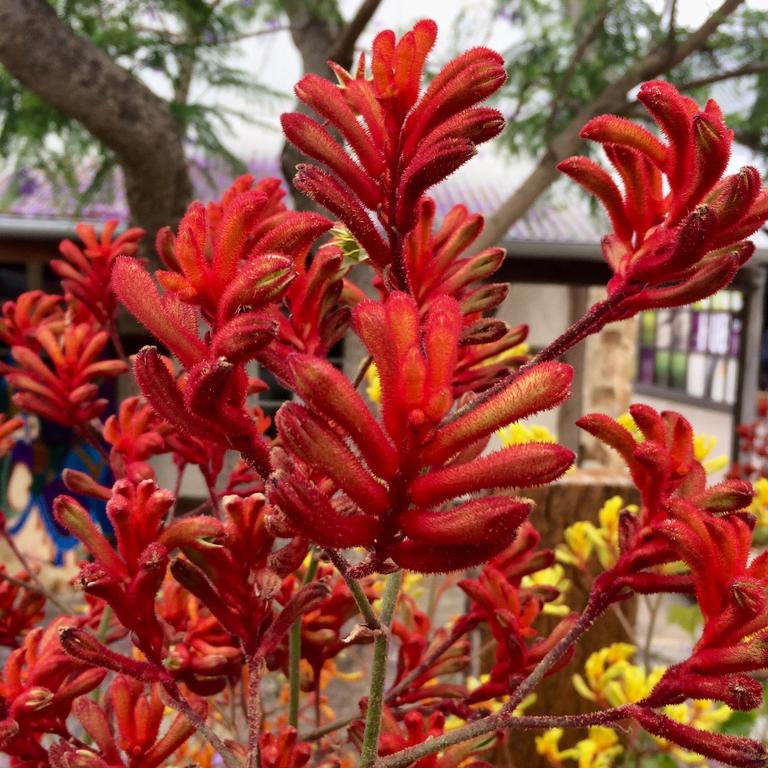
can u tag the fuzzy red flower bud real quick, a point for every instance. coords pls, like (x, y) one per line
(732, 750)
(538, 389)
(670, 251)
(404, 143)
(390, 506)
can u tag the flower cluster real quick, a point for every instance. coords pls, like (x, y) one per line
(57, 360)
(226, 266)
(40, 684)
(513, 614)
(671, 249)
(405, 143)
(86, 272)
(314, 538)
(709, 529)
(128, 576)
(389, 504)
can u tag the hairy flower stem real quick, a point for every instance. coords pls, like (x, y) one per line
(294, 654)
(409, 756)
(176, 701)
(256, 667)
(40, 588)
(456, 634)
(592, 321)
(371, 620)
(598, 602)
(370, 749)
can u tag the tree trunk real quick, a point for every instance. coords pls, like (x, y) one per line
(320, 34)
(314, 32)
(82, 81)
(577, 496)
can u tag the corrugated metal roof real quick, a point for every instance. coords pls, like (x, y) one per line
(30, 207)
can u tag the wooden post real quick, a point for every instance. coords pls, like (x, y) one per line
(579, 496)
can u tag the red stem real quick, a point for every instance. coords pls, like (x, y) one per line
(255, 672)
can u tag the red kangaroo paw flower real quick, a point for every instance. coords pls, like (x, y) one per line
(424, 557)
(671, 250)
(472, 523)
(171, 321)
(316, 142)
(405, 143)
(97, 726)
(728, 496)
(56, 369)
(86, 648)
(196, 531)
(317, 444)
(71, 515)
(194, 579)
(610, 129)
(340, 199)
(739, 692)
(416, 356)
(256, 284)
(597, 181)
(314, 515)
(86, 272)
(518, 466)
(331, 394)
(732, 750)
(539, 388)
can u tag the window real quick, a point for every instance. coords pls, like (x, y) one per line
(693, 351)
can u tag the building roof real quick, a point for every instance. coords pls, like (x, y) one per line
(31, 207)
(561, 222)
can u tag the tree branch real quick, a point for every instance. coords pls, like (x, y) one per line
(79, 79)
(581, 49)
(344, 49)
(661, 58)
(498, 722)
(753, 68)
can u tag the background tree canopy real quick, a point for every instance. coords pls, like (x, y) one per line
(152, 80)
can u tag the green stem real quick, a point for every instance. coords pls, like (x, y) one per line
(363, 605)
(106, 615)
(370, 749)
(294, 654)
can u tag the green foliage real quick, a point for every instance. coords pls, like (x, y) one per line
(564, 54)
(659, 760)
(687, 617)
(740, 724)
(172, 45)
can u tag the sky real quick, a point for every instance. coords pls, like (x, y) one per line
(278, 64)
